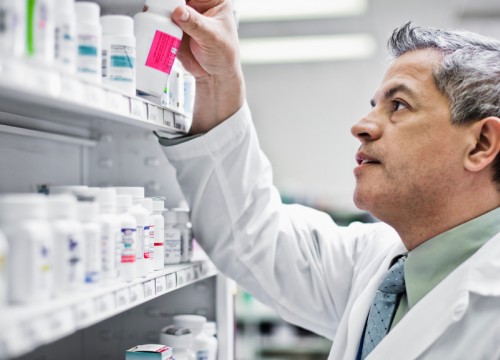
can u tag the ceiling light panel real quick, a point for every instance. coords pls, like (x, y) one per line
(280, 10)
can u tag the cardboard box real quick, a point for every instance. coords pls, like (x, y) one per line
(149, 352)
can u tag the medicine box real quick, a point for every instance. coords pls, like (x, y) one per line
(149, 352)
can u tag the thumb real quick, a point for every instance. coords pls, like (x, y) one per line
(193, 23)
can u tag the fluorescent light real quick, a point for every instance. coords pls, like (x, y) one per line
(298, 49)
(278, 10)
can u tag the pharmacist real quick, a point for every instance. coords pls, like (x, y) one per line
(424, 283)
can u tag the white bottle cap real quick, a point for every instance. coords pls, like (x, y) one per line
(147, 203)
(66, 189)
(210, 328)
(87, 12)
(117, 25)
(182, 215)
(88, 211)
(123, 201)
(88, 194)
(135, 192)
(166, 4)
(195, 323)
(176, 337)
(62, 206)
(15, 207)
(107, 197)
(158, 205)
(65, 5)
(170, 217)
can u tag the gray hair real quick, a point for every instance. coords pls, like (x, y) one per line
(469, 75)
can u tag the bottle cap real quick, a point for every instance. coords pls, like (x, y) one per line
(176, 337)
(62, 206)
(195, 323)
(65, 5)
(135, 192)
(170, 217)
(15, 207)
(182, 215)
(158, 205)
(117, 25)
(169, 5)
(66, 189)
(123, 201)
(147, 203)
(106, 197)
(87, 12)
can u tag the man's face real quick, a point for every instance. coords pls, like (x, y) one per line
(411, 156)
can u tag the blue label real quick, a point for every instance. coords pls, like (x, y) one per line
(122, 61)
(87, 50)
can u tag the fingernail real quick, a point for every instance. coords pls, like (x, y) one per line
(184, 16)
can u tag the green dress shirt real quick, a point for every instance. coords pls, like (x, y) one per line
(428, 264)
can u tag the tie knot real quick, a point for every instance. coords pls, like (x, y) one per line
(394, 280)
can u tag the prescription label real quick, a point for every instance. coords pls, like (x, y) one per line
(163, 52)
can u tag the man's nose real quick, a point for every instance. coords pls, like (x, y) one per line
(366, 129)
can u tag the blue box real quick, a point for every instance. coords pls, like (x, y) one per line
(149, 352)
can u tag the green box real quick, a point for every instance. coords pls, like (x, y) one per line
(149, 352)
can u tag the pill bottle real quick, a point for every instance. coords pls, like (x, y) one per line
(40, 27)
(210, 329)
(118, 53)
(4, 254)
(127, 247)
(23, 220)
(65, 36)
(88, 214)
(89, 38)
(110, 233)
(159, 240)
(201, 341)
(69, 248)
(66, 189)
(158, 40)
(147, 203)
(183, 225)
(172, 239)
(141, 216)
(180, 339)
(176, 88)
(189, 94)
(13, 31)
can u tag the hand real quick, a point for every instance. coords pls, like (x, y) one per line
(209, 51)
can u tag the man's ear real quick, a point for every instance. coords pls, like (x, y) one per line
(485, 144)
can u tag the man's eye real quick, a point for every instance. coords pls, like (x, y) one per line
(398, 105)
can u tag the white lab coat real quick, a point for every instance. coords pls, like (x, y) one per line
(316, 274)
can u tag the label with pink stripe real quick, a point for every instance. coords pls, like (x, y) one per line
(163, 52)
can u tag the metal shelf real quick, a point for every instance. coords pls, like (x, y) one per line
(23, 328)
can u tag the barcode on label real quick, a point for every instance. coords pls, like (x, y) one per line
(148, 292)
(159, 288)
(104, 63)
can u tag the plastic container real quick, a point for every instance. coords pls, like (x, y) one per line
(141, 216)
(4, 254)
(69, 247)
(189, 94)
(176, 88)
(110, 233)
(89, 40)
(158, 40)
(23, 219)
(180, 339)
(147, 203)
(210, 329)
(88, 214)
(201, 341)
(127, 244)
(40, 27)
(172, 239)
(184, 227)
(159, 238)
(65, 36)
(118, 53)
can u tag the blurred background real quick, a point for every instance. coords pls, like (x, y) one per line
(311, 68)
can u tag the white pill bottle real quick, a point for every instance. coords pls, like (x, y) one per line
(40, 31)
(201, 341)
(88, 214)
(172, 239)
(127, 244)
(65, 36)
(118, 53)
(89, 41)
(147, 203)
(159, 238)
(158, 40)
(184, 227)
(110, 232)
(181, 341)
(210, 329)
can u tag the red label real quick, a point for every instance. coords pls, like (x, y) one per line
(163, 349)
(163, 52)
(158, 244)
(128, 258)
(146, 255)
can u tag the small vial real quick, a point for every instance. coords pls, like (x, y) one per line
(184, 227)
(65, 36)
(147, 203)
(127, 244)
(159, 236)
(89, 41)
(172, 239)
(110, 232)
(88, 214)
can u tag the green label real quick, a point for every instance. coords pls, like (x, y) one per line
(30, 28)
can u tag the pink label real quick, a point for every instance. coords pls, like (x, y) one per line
(163, 52)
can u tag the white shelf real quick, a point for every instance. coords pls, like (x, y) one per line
(23, 328)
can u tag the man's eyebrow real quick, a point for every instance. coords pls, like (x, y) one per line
(399, 88)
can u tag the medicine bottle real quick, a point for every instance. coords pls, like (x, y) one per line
(4, 254)
(88, 214)
(210, 329)
(141, 216)
(69, 248)
(176, 88)
(127, 244)
(65, 36)
(147, 203)
(158, 40)
(159, 238)
(110, 233)
(181, 341)
(172, 239)
(189, 94)
(118, 53)
(201, 341)
(186, 234)
(89, 39)
(23, 220)
(13, 31)
(40, 31)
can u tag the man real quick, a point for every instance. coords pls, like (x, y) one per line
(425, 283)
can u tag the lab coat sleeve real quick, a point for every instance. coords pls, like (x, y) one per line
(292, 258)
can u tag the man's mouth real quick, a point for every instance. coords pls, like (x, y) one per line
(362, 158)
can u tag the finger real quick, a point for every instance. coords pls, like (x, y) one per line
(204, 5)
(193, 23)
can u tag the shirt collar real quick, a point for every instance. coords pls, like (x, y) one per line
(428, 264)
